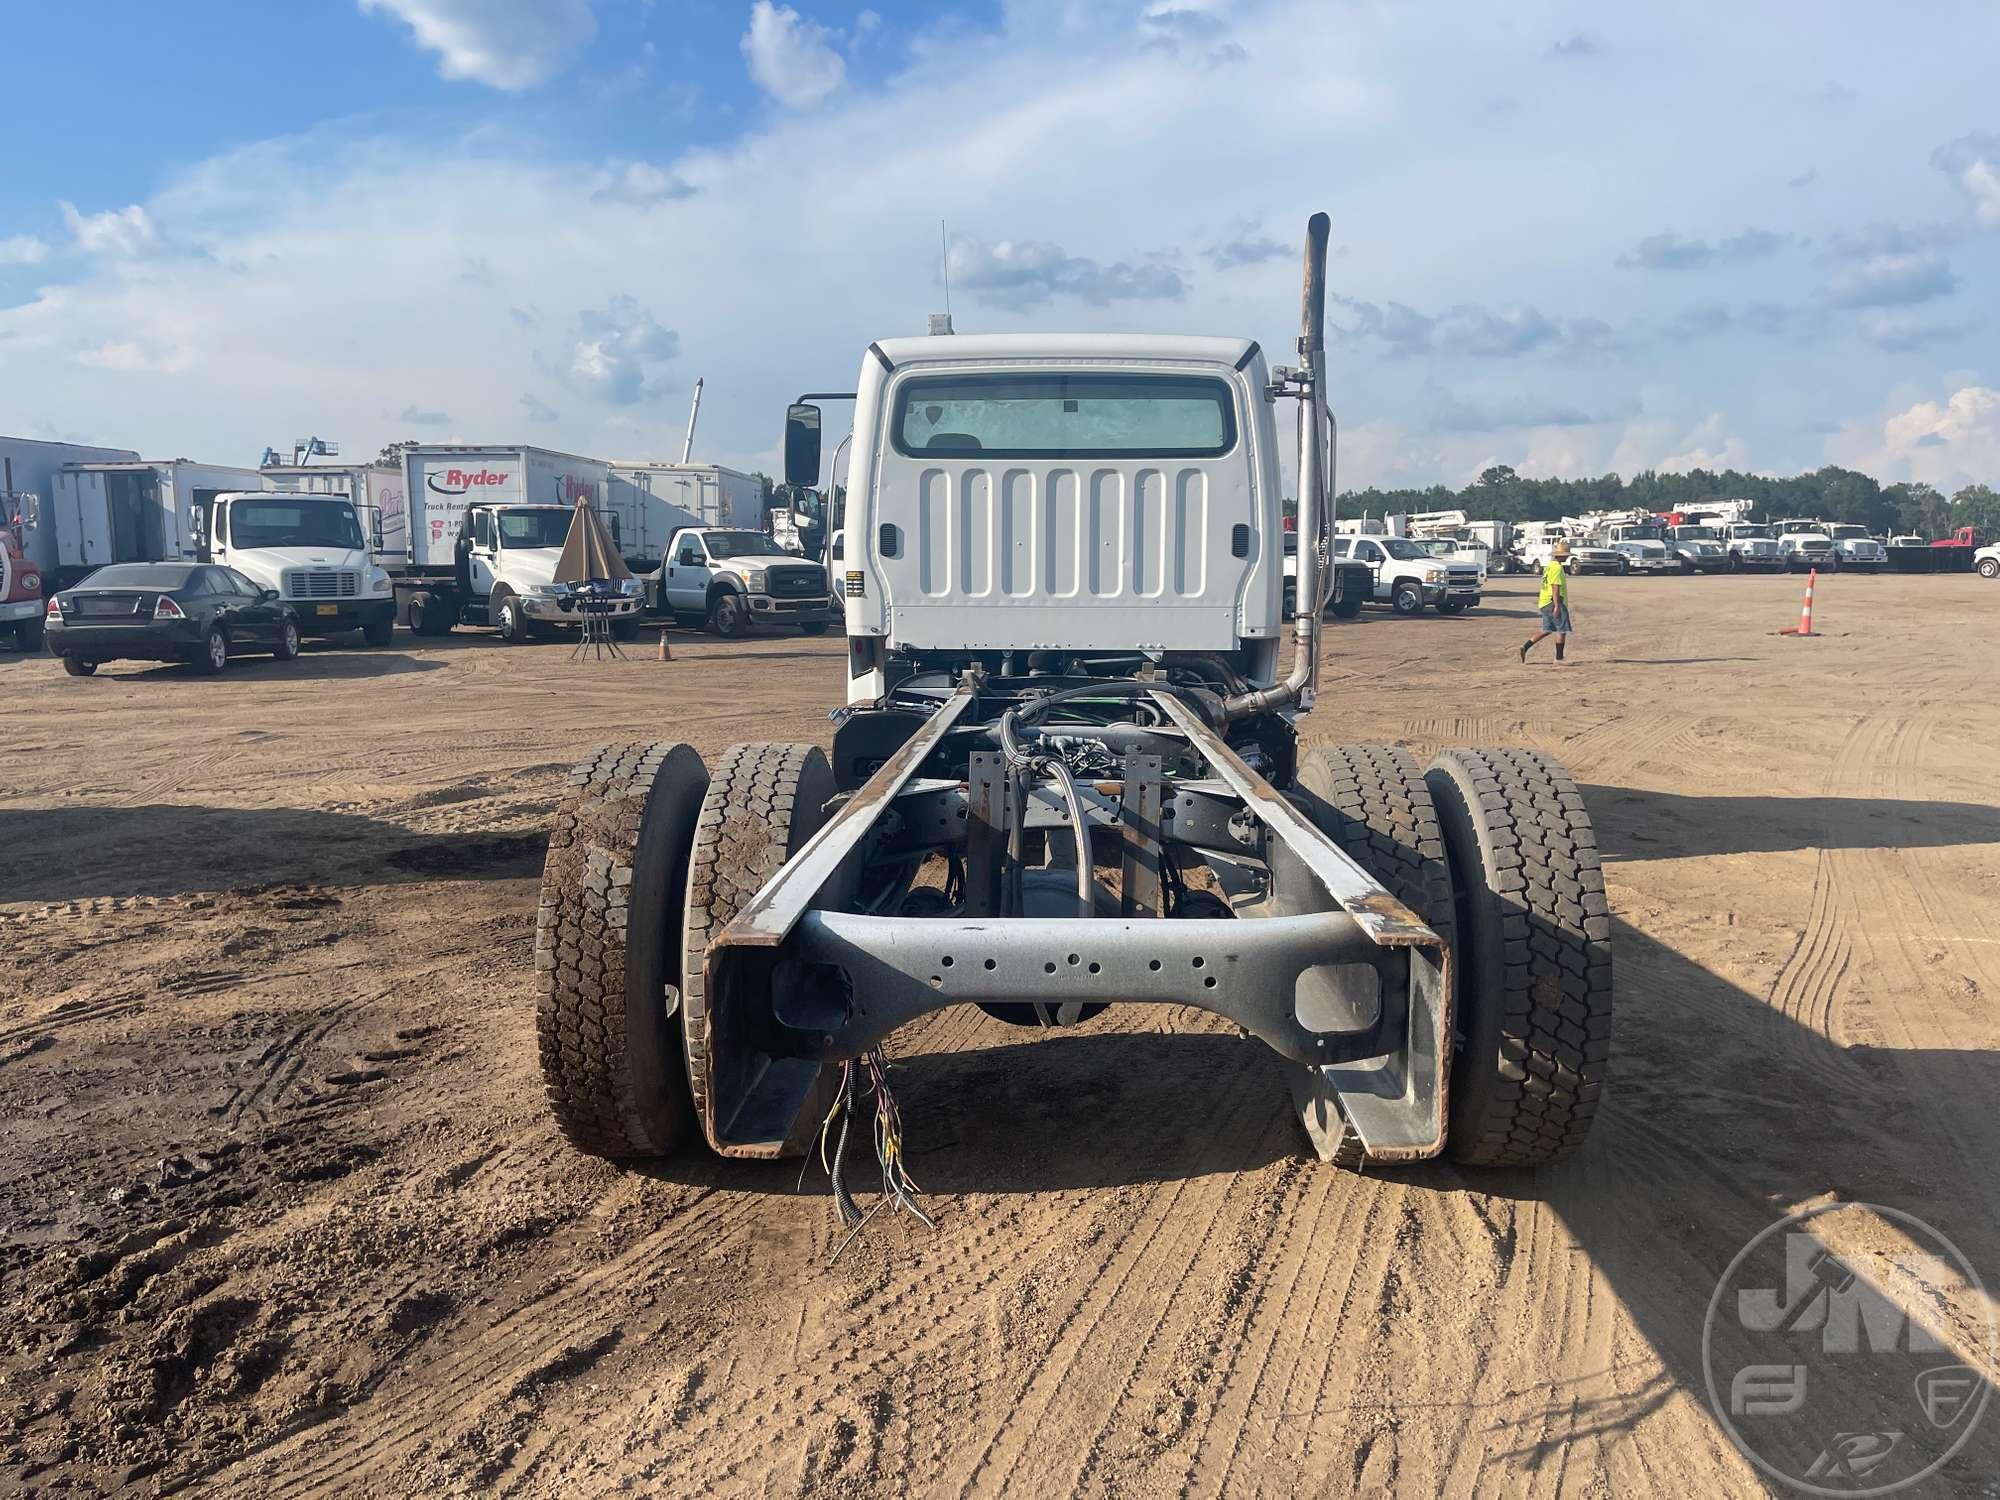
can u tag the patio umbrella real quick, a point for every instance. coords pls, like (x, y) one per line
(588, 555)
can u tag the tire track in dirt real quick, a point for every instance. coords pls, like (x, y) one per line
(424, 1399)
(929, 1315)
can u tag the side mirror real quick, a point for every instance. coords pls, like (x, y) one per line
(266, 595)
(802, 445)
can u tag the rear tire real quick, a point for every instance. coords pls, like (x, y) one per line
(78, 667)
(212, 656)
(287, 648)
(1373, 802)
(429, 614)
(763, 803)
(1534, 957)
(607, 946)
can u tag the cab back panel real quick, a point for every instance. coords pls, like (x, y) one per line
(1030, 554)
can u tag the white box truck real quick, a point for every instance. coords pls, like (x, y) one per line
(662, 498)
(134, 511)
(28, 470)
(375, 489)
(486, 527)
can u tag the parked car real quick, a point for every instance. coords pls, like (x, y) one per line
(192, 612)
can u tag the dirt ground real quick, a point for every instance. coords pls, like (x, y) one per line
(281, 1212)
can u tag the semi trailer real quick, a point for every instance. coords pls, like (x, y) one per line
(1073, 772)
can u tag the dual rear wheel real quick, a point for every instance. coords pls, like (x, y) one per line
(1494, 850)
(650, 856)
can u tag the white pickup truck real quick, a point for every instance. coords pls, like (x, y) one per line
(730, 579)
(310, 548)
(500, 570)
(1407, 577)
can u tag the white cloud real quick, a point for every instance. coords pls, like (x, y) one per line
(1668, 448)
(504, 44)
(1973, 161)
(1891, 281)
(613, 353)
(1025, 273)
(135, 357)
(792, 59)
(639, 183)
(115, 232)
(538, 410)
(23, 250)
(1948, 443)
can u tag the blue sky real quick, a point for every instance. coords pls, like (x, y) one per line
(1570, 238)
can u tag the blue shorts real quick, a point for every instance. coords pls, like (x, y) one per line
(1555, 619)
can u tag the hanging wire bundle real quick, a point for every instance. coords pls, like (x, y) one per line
(898, 1191)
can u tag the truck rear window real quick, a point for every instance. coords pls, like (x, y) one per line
(1064, 416)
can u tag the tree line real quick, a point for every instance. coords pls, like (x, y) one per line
(1828, 494)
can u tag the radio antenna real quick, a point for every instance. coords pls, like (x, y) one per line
(944, 262)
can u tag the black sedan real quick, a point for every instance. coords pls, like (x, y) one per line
(167, 612)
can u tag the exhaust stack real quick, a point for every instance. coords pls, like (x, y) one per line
(1307, 383)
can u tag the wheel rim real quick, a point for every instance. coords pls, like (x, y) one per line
(291, 639)
(218, 650)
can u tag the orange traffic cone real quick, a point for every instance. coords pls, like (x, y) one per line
(665, 653)
(1805, 612)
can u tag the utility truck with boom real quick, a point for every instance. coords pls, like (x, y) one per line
(1069, 775)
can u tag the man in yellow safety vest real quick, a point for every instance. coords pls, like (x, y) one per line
(1554, 602)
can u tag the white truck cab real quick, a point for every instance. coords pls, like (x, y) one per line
(1642, 544)
(1856, 548)
(1011, 493)
(501, 571)
(1805, 544)
(311, 549)
(730, 579)
(1700, 548)
(1752, 547)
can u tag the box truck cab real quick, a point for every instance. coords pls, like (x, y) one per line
(310, 548)
(500, 570)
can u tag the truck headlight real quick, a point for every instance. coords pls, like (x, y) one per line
(753, 580)
(1433, 575)
(378, 580)
(632, 587)
(546, 590)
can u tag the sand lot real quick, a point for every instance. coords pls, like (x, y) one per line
(281, 1212)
